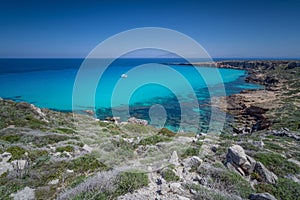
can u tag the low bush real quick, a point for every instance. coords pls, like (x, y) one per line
(16, 152)
(277, 164)
(189, 152)
(166, 132)
(130, 181)
(65, 148)
(86, 163)
(152, 140)
(284, 189)
(169, 175)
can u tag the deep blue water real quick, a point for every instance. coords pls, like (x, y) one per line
(48, 83)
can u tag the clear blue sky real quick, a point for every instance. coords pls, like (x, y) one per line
(233, 28)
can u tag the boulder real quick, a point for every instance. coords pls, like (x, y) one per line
(237, 160)
(193, 161)
(236, 154)
(20, 165)
(25, 194)
(265, 174)
(292, 65)
(4, 164)
(262, 196)
(249, 165)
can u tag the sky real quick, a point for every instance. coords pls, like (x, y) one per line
(225, 28)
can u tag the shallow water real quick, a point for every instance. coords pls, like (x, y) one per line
(151, 91)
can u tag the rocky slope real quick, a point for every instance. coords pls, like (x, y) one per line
(51, 155)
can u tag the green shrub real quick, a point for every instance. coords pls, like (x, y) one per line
(65, 148)
(226, 180)
(190, 151)
(86, 163)
(287, 189)
(77, 180)
(250, 147)
(16, 152)
(274, 147)
(41, 141)
(235, 183)
(152, 140)
(277, 164)
(167, 132)
(10, 138)
(169, 175)
(37, 154)
(137, 128)
(264, 187)
(65, 130)
(103, 124)
(92, 195)
(130, 181)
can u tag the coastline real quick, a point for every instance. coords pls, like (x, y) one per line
(55, 155)
(255, 110)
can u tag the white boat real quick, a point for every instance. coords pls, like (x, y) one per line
(124, 76)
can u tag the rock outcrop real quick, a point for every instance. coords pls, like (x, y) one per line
(174, 159)
(134, 120)
(191, 162)
(265, 174)
(262, 196)
(25, 194)
(237, 160)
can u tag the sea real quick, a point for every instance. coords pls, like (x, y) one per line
(156, 90)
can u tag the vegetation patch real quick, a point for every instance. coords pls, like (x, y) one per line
(273, 146)
(189, 152)
(16, 152)
(166, 132)
(169, 175)
(11, 138)
(277, 164)
(68, 148)
(284, 189)
(152, 140)
(130, 181)
(86, 163)
(64, 130)
(137, 128)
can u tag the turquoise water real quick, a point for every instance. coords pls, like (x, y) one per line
(49, 84)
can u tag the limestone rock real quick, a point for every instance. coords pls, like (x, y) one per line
(237, 160)
(174, 159)
(4, 164)
(20, 164)
(54, 182)
(249, 165)
(175, 187)
(193, 161)
(25, 194)
(236, 154)
(262, 196)
(265, 174)
(182, 198)
(134, 120)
